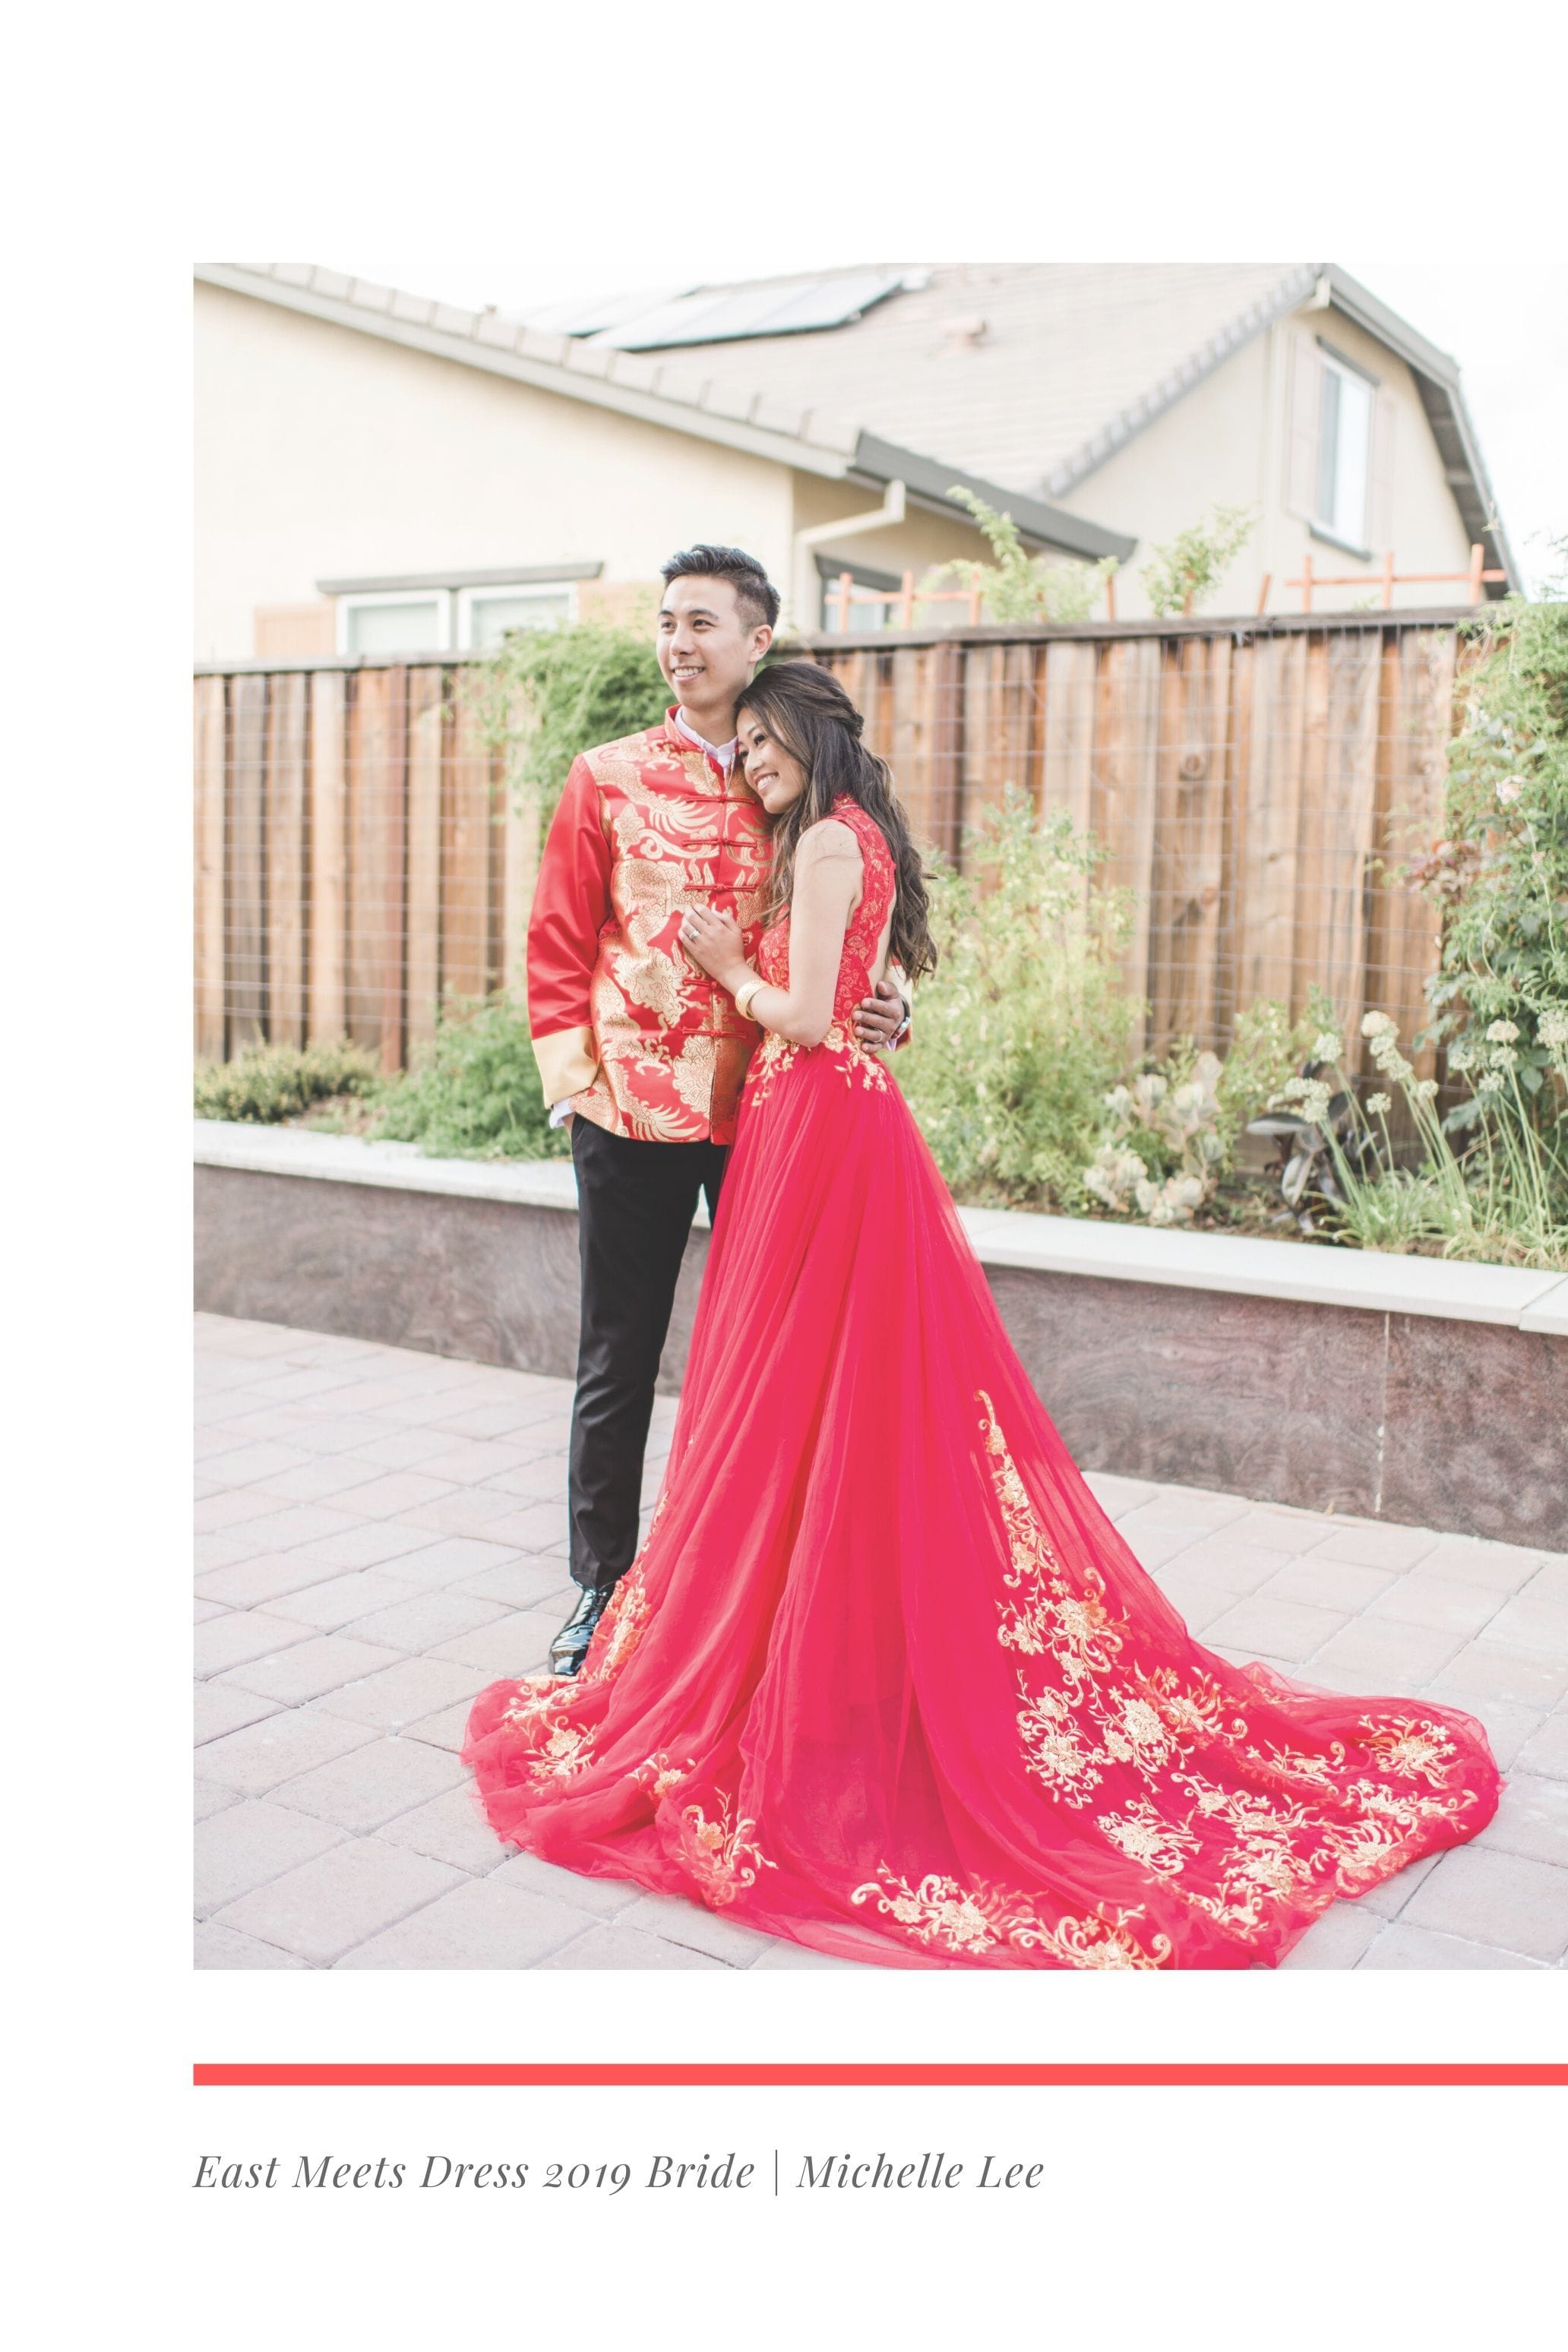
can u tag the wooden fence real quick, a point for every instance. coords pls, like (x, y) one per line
(1254, 783)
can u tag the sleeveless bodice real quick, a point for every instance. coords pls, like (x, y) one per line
(859, 960)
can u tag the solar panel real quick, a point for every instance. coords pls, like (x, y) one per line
(579, 317)
(736, 314)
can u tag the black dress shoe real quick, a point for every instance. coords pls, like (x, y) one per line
(570, 1646)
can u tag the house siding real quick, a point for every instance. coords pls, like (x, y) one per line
(321, 453)
(1227, 442)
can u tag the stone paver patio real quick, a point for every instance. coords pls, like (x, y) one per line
(380, 1533)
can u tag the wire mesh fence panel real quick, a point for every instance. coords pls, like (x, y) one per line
(471, 847)
(210, 743)
(245, 863)
(1123, 794)
(287, 852)
(327, 864)
(1255, 786)
(427, 730)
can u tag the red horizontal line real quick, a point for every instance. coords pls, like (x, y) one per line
(809, 2076)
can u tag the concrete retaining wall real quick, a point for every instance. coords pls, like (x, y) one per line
(1396, 1388)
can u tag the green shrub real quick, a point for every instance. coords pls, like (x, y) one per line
(1194, 562)
(267, 1083)
(475, 1093)
(547, 694)
(1017, 586)
(1265, 1048)
(1501, 875)
(1024, 1026)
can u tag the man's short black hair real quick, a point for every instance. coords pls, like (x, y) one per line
(755, 592)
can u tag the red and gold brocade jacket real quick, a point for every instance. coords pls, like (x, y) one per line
(634, 1037)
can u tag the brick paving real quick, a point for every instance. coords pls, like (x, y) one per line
(380, 1533)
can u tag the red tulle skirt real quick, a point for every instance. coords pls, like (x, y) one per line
(884, 1678)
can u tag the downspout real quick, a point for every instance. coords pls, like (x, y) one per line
(892, 510)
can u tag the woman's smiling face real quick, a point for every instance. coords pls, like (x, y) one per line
(774, 774)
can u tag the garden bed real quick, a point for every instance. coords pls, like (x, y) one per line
(1411, 1389)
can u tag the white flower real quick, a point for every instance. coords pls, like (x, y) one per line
(1501, 1033)
(1490, 1084)
(1508, 791)
(1326, 1046)
(1379, 1024)
(1427, 1088)
(1377, 1104)
(1553, 1029)
(1385, 1053)
(1505, 1058)
(1310, 1095)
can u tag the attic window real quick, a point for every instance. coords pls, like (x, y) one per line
(1344, 451)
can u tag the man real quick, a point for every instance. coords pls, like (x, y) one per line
(640, 1053)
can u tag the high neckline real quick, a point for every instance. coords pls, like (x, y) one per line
(723, 755)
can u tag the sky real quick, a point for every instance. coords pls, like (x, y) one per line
(1504, 322)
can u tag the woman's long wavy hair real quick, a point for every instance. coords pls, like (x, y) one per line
(808, 714)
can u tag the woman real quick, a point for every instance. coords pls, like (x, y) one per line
(884, 1677)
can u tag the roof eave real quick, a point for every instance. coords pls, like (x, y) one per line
(838, 455)
(929, 484)
(1437, 382)
(601, 387)
(1129, 423)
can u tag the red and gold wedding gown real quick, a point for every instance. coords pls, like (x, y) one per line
(884, 1678)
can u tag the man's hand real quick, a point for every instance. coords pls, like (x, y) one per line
(714, 944)
(878, 1019)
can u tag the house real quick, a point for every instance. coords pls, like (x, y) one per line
(380, 472)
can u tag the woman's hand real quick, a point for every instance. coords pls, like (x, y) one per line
(714, 944)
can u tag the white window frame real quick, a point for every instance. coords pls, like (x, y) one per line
(494, 589)
(1325, 527)
(440, 597)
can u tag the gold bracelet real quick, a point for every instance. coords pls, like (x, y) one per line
(744, 994)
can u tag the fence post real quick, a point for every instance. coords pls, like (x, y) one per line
(907, 601)
(1305, 584)
(841, 599)
(1388, 582)
(1478, 557)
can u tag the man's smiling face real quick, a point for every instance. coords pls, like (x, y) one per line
(709, 645)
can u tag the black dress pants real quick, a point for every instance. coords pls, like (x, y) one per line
(636, 1203)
